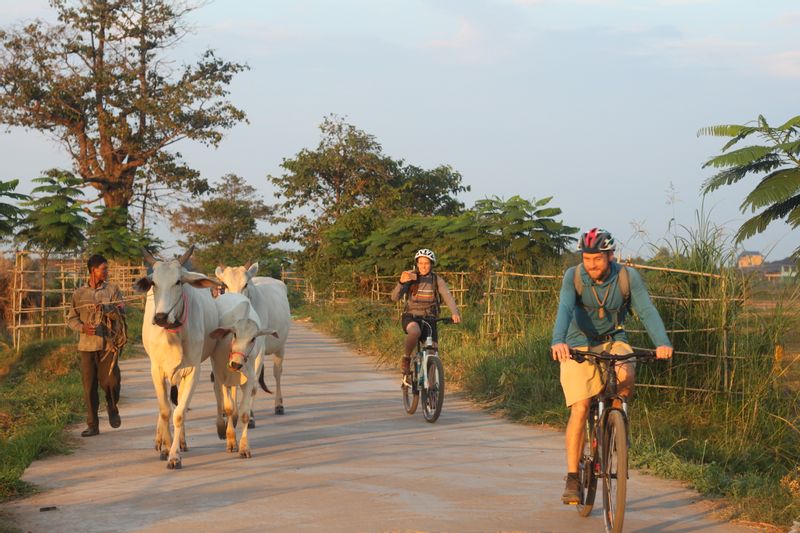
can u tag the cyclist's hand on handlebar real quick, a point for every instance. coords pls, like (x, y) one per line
(560, 352)
(407, 275)
(663, 352)
(456, 319)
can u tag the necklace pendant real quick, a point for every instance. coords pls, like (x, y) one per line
(601, 313)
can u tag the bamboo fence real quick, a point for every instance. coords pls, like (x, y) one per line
(41, 295)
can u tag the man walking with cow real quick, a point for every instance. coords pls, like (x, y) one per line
(98, 314)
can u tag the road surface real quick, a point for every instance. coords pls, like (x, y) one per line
(344, 458)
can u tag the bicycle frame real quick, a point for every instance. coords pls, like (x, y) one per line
(608, 441)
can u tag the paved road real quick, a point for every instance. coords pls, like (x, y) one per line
(344, 458)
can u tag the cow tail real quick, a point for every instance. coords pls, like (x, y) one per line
(173, 394)
(262, 383)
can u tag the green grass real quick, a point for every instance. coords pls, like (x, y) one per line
(40, 395)
(743, 447)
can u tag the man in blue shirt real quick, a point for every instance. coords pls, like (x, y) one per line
(594, 320)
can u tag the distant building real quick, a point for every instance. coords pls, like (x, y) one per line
(784, 269)
(750, 260)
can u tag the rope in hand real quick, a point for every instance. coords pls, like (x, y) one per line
(116, 334)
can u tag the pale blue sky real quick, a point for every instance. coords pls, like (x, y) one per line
(594, 102)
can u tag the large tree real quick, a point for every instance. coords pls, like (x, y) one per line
(775, 160)
(101, 83)
(349, 171)
(224, 227)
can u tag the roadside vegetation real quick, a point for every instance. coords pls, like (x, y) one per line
(40, 395)
(727, 426)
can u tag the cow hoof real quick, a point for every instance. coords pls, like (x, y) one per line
(279, 410)
(232, 449)
(244, 454)
(251, 424)
(174, 464)
(184, 447)
(164, 455)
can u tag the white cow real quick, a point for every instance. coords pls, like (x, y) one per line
(269, 298)
(237, 361)
(179, 316)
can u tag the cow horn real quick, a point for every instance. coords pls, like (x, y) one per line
(185, 257)
(148, 257)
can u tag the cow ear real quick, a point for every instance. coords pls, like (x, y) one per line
(219, 333)
(252, 271)
(267, 332)
(143, 284)
(199, 281)
(219, 271)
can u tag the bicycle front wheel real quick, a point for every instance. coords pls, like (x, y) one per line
(615, 471)
(411, 395)
(586, 468)
(433, 394)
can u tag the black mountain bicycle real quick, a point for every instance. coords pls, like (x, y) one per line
(605, 451)
(427, 375)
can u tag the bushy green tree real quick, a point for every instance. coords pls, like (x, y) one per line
(349, 171)
(10, 214)
(516, 232)
(776, 160)
(112, 234)
(224, 228)
(54, 221)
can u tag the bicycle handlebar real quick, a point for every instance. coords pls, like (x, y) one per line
(640, 355)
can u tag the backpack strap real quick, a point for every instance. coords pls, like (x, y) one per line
(623, 284)
(578, 280)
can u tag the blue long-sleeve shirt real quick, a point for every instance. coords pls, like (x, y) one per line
(577, 323)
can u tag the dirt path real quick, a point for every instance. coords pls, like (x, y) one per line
(344, 458)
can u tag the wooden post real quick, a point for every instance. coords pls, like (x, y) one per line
(14, 309)
(63, 293)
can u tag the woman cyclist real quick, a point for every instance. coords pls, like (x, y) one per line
(423, 290)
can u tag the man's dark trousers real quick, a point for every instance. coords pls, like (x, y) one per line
(99, 368)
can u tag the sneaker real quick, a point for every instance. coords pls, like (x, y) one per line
(572, 494)
(90, 431)
(114, 419)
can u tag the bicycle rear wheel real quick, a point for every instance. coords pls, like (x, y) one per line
(615, 471)
(586, 468)
(433, 395)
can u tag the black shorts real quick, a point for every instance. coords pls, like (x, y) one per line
(407, 319)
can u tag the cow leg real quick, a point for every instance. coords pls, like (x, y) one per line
(218, 395)
(248, 392)
(185, 392)
(277, 370)
(163, 436)
(230, 407)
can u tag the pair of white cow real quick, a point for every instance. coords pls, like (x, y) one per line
(183, 326)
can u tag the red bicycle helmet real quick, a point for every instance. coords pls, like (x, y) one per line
(596, 240)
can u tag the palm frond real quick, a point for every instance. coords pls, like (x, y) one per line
(725, 130)
(790, 124)
(790, 147)
(742, 156)
(733, 175)
(774, 188)
(759, 222)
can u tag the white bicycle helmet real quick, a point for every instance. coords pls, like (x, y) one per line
(424, 252)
